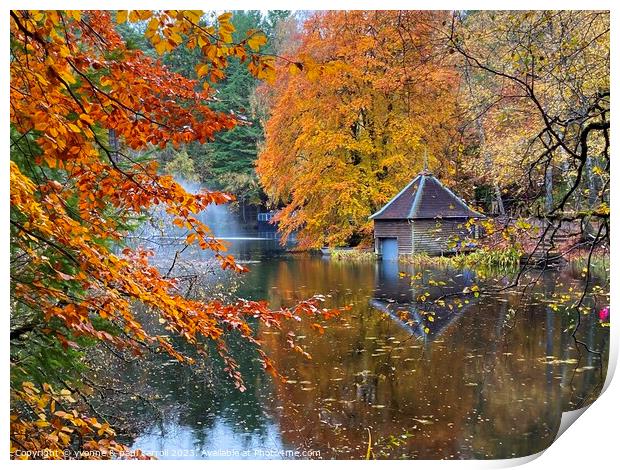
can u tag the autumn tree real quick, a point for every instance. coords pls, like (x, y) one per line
(536, 95)
(84, 107)
(350, 131)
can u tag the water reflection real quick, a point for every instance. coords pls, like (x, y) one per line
(489, 379)
(395, 295)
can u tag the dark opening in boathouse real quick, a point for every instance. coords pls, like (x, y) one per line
(425, 217)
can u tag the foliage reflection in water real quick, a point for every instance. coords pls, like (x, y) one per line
(483, 377)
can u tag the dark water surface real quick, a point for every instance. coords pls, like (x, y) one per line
(483, 377)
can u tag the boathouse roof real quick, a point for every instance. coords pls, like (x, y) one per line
(425, 197)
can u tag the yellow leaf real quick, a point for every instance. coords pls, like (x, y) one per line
(161, 47)
(202, 70)
(121, 16)
(75, 14)
(257, 40)
(224, 17)
(152, 27)
(193, 15)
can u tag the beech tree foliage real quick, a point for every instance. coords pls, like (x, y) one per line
(353, 127)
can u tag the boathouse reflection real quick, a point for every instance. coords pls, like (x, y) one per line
(410, 296)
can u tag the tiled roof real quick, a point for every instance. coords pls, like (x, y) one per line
(425, 198)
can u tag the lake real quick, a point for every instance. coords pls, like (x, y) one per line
(477, 378)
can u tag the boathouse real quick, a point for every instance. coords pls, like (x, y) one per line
(425, 217)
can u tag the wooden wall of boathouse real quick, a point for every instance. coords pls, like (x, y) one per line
(431, 236)
(434, 236)
(400, 229)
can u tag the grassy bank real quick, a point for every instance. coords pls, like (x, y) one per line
(497, 259)
(501, 259)
(353, 255)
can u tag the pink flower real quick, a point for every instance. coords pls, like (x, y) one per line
(603, 314)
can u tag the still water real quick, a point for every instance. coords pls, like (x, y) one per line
(484, 377)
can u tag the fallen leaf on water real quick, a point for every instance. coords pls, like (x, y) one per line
(422, 421)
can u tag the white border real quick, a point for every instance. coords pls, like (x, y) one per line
(591, 443)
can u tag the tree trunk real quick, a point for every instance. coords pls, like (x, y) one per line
(498, 199)
(592, 183)
(549, 188)
(498, 204)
